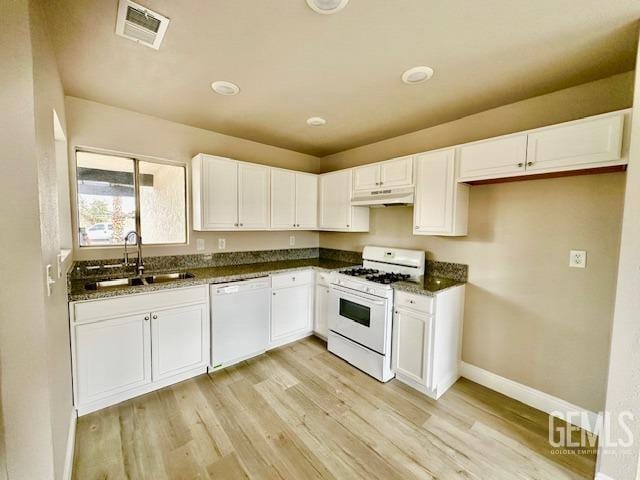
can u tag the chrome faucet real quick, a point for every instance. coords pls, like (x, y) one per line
(139, 262)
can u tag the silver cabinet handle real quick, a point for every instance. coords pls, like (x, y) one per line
(155, 317)
(529, 163)
(293, 279)
(347, 226)
(273, 293)
(520, 165)
(235, 224)
(146, 318)
(417, 227)
(241, 224)
(412, 301)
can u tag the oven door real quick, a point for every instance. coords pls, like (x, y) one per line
(359, 317)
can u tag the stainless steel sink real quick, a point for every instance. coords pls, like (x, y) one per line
(168, 277)
(137, 281)
(116, 282)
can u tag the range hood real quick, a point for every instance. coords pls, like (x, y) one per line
(384, 197)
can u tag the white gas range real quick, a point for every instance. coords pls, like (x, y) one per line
(361, 307)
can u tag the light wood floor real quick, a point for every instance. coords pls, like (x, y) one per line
(299, 412)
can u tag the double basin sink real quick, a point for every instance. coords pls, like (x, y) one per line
(137, 281)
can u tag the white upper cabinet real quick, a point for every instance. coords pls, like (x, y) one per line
(592, 142)
(229, 195)
(366, 178)
(306, 201)
(215, 193)
(501, 157)
(253, 196)
(283, 199)
(336, 212)
(441, 204)
(397, 172)
(585, 143)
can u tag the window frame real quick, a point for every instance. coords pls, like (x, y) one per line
(136, 159)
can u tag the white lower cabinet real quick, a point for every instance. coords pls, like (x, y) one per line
(180, 339)
(321, 318)
(112, 357)
(291, 306)
(126, 346)
(427, 333)
(411, 341)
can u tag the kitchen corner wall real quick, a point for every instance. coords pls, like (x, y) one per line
(35, 380)
(104, 127)
(528, 316)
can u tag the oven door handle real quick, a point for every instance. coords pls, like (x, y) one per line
(347, 292)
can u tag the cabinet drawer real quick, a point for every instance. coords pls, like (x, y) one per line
(94, 310)
(291, 279)
(322, 278)
(422, 303)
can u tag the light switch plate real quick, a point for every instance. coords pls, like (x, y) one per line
(222, 244)
(578, 258)
(200, 244)
(292, 240)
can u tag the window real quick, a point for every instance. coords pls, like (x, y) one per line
(119, 194)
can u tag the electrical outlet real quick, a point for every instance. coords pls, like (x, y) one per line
(292, 240)
(222, 244)
(578, 258)
(200, 244)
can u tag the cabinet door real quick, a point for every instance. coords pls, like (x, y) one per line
(283, 199)
(290, 311)
(321, 324)
(366, 178)
(335, 200)
(180, 338)
(411, 345)
(306, 201)
(112, 356)
(498, 158)
(397, 173)
(578, 145)
(253, 196)
(219, 193)
(436, 187)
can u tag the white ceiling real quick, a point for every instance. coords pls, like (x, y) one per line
(292, 63)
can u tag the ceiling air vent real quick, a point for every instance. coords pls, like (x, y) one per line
(137, 23)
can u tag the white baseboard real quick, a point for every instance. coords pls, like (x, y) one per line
(71, 445)
(602, 476)
(527, 395)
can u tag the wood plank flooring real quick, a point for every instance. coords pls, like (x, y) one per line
(298, 412)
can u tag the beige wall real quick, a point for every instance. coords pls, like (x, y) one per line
(53, 191)
(100, 126)
(34, 342)
(624, 364)
(528, 316)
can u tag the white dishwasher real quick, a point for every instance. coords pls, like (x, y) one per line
(239, 320)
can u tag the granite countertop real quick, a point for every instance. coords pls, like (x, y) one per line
(206, 275)
(431, 285)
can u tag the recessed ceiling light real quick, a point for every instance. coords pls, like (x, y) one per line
(327, 6)
(417, 75)
(225, 88)
(316, 121)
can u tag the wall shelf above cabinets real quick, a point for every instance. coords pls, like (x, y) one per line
(588, 145)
